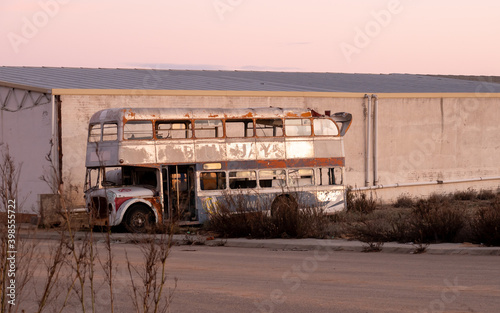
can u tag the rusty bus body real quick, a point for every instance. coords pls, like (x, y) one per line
(148, 164)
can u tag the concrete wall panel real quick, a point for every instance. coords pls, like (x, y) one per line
(27, 133)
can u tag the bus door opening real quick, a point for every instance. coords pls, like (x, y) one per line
(179, 192)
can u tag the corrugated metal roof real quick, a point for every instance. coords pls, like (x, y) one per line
(148, 79)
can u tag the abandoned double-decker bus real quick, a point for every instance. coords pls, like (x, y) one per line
(146, 165)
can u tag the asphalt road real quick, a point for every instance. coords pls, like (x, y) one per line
(226, 279)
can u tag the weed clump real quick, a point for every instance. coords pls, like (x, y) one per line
(465, 195)
(358, 201)
(404, 201)
(463, 216)
(435, 220)
(485, 225)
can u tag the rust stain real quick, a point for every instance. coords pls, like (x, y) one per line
(291, 114)
(325, 162)
(157, 207)
(130, 113)
(271, 163)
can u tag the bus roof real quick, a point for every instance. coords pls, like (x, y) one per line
(123, 114)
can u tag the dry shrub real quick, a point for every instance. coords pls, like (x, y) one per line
(486, 195)
(438, 218)
(237, 216)
(435, 219)
(485, 225)
(358, 201)
(404, 201)
(465, 195)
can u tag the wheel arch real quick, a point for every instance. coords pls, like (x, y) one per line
(124, 208)
(281, 198)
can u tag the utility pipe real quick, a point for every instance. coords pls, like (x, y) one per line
(434, 182)
(368, 140)
(375, 139)
(55, 139)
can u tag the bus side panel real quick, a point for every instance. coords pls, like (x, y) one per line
(241, 150)
(210, 151)
(299, 148)
(269, 149)
(138, 152)
(101, 154)
(175, 152)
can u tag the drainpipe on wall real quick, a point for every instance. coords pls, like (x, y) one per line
(53, 137)
(56, 152)
(375, 140)
(368, 140)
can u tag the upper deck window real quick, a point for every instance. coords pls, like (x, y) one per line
(95, 133)
(298, 127)
(174, 130)
(269, 127)
(109, 131)
(239, 128)
(325, 127)
(138, 130)
(208, 129)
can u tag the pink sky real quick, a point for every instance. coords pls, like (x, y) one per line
(363, 36)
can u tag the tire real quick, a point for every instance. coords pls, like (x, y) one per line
(139, 219)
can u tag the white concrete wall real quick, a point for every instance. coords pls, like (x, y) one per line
(419, 139)
(27, 133)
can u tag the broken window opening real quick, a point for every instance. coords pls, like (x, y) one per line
(300, 177)
(242, 180)
(269, 179)
(208, 129)
(269, 127)
(239, 128)
(95, 133)
(298, 127)
(134, 130)
(109, 132)
(325, 127)
(174, 130)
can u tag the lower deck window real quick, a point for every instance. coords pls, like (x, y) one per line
(300, 177)
(330, 176)
(212, 180)
(242, 180)
(268, 179)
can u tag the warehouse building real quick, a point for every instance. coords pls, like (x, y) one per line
(413, 134)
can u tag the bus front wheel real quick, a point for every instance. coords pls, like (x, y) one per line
(139, 219)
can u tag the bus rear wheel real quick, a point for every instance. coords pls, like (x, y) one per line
(284, 204)
(139, 219)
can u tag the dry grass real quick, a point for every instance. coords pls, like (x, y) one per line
(465, 216)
